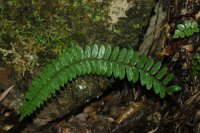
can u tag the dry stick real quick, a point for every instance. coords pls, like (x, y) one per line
(5, 93)
(154, 34)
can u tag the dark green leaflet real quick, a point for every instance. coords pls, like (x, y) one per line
(99, 60)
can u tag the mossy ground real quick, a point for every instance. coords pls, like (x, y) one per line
(33, 32)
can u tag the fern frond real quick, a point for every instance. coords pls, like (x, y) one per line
(103, 60)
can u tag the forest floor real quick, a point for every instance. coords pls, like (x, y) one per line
(131, 108)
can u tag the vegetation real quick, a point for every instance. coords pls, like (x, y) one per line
(47, 52)
(196, 64)
(40, 29)
(103, 60)
(30, 28)
(187, 29)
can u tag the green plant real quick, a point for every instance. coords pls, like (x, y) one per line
(196, 63)
(103, 60)
(186, 29)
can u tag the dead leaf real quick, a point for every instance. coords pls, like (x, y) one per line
(130, 111)
(197, 16)
(170, 49)
(188, 48)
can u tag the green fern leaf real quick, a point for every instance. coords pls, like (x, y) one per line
(57, 64)
(149, 81)
(148, 64)
(94, 51)
(87, 67)
(80, 53)
(98, 71)
(128, 56)
(61, 80)
(161, 73)
(83, 68)
(101, 52)
(157, 86)
(103, 67)
(115, 70)
(73, 72)
(142, 77)
(101, 60)
(135, 75)
(107, 52)
(155, 68)
(142, 61)
(129, 73)
(162, 93)
(168, 78)
(78, 69)
(114, 54)
(96, 64)
(122, 55)
(170, 90)
(68, 58)
(109, 68)
(62, 60)
(73, 53)
(93, 66)
(121, 71)
(87, 52)
(134, 58)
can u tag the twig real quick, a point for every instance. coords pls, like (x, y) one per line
(5, 93)
(153, 131)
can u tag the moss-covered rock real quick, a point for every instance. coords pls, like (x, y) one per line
(39, 30)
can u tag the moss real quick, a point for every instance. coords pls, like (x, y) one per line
(37, 31)
(56, 24)
(23, 56)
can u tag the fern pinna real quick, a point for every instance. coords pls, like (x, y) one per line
(103, 60)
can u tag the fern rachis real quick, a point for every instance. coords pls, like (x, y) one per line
(103, 60)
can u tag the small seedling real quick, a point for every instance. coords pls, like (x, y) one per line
(187, 29)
